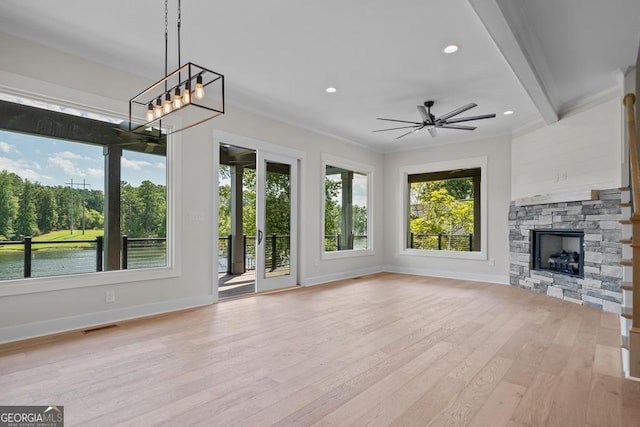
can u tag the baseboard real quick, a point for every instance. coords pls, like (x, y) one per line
(460, 275)
(319, 280)
(65, 324)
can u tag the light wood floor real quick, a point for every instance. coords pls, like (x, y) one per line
(381, 350)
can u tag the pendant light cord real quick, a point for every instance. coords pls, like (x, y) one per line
(179, 22)
(166, 40)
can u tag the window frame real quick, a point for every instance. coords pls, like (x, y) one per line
(360, 168)
(403, 227)
(23, 286)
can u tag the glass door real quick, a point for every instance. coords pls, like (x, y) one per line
(276, 222)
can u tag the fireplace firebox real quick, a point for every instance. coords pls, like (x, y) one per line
(558, 251)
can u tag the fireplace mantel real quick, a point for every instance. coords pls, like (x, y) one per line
(558, 197)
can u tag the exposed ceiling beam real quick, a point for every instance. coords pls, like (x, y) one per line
(516, 56)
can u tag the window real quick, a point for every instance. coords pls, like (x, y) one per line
(346, 207)
(53, 200)
(444, 209)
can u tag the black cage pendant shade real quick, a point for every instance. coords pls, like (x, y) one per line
(193, 91)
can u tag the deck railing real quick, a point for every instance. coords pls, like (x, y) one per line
(277, 252)
(440, 241)
(135, 252)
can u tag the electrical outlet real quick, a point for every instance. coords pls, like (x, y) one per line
(492, 262)
(110, 296)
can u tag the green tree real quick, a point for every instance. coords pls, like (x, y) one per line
(143, 209)
(278, 202)
(359, 220)
(332, 209)
(46, 209)
(459, 188)
(154, 208)
(224, 210)
(62, 197)
(93, 219)
(224, 201)
(435, 211)
(27, 221)
(249, 202)
(94, 199)
(8, 205)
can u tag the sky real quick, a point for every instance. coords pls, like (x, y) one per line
(56, 162)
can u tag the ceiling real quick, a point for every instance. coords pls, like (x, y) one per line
(536, 58)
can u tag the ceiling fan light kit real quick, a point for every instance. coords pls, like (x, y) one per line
(196, 91)
(431, 122)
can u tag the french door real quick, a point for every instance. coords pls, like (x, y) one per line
(276, 221)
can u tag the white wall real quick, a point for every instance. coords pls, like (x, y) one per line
(582, 151)
(32, 68)
(498, 153)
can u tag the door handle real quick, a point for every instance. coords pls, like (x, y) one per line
(259, 236)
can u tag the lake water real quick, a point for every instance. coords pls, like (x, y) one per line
(73, 261)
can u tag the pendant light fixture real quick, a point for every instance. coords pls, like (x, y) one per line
(194, 92)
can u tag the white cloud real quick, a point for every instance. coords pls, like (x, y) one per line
(5, 147)
(95, 172)
(136, 165)
(21, 168)
(69, 155)
(160, 165)
(62, 161)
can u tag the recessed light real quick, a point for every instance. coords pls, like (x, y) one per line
(508, 113)
(331, 89)
(450, 49)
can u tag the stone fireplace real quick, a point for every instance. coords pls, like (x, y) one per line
(569, 250)
(559, 251)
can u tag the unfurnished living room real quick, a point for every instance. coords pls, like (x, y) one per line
(319, 213)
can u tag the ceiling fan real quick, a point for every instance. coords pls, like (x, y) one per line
(431, 122)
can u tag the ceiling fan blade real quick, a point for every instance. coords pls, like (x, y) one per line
(433, 132)
(401, 121)
(466, 119)
(455, 112)
(402, 127)
(409, 133)
(425, 115)
(459, 127)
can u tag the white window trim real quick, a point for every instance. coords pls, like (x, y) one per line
(75, 281)
(403, 207)
(368, 170)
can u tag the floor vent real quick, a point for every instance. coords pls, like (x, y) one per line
(99, 328)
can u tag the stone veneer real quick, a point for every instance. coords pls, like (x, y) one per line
(599, 219)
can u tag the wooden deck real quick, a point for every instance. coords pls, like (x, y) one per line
(235, 285)
(387, 349)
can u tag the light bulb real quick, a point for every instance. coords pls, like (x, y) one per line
(177, 99)
(186, 98)
(150, 114)
(158, 108)
(199, 93)
(167, 103)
